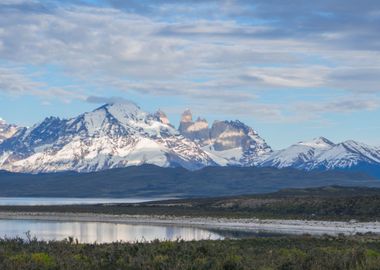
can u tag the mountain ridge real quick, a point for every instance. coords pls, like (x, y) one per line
(120, 134)
(113, 135)
(322, 154)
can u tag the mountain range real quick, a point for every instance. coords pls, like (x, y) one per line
(120, 134)
(112, 136)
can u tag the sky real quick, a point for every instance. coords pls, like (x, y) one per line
(292, 70)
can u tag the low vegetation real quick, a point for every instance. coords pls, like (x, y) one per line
(328, 203)
(258, 252)
(297, 252)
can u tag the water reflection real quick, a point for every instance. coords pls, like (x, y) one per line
(100, 232)
(70, 201)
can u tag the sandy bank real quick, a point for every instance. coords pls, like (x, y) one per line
(267, 225)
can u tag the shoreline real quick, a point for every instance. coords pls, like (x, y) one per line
(295, 227)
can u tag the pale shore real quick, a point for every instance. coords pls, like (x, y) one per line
(249, 225)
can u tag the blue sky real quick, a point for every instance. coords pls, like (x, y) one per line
(293, 70)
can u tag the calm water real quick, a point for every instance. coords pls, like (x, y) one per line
(100, 232)
(68, 201)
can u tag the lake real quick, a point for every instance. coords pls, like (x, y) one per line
(70, 201)
(100, 232)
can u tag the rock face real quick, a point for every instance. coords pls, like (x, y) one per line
(6, 130)
(229, 142)
(237, 142)
(197, 131)
(161, 116)
(112, 136)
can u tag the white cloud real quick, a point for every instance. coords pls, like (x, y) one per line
(345, 105)
(16, 82)
(12, 81)
(215, 62)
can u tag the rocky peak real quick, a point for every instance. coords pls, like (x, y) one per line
(201, 120)
(162, 117)
(197, 131)
(186, 122)
(232, 140)
(7, 130)
(320, 142)
(187, 116)
(234, 134)
(125, 110)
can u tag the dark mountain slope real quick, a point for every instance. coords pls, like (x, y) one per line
(150, 180)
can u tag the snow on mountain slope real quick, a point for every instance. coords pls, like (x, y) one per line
(323, 154)
(114, 135)
(121, 134)
(348, 154)
(6, 130)
(297, 155)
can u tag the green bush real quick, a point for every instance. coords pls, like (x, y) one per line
(276, 252)
(43, 260)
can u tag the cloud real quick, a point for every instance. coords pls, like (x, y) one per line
(227, 60)
(325, 21)
(17, 82)
(13, 82)
(346, 105)
(106, 100)
(359, 80)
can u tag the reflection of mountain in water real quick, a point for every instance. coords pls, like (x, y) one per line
(101, 232)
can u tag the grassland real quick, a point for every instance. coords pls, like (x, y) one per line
(327, 203)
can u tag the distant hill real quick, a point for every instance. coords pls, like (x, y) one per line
(150, 180)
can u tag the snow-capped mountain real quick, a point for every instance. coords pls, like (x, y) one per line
(323, 154)
(228, 142)
(6, 130)
(114, 135)
(121, 134)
